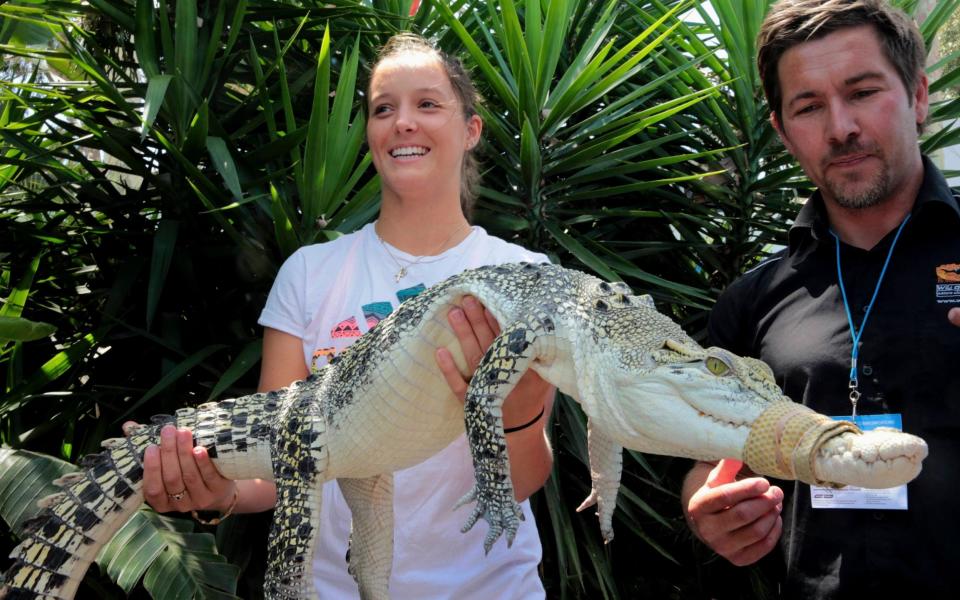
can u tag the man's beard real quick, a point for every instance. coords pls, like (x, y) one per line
(873, 194)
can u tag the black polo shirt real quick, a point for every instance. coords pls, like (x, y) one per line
(789, 312)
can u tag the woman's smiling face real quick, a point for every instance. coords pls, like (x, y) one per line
(416, 128)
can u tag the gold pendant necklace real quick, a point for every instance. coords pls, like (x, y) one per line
(404, 269)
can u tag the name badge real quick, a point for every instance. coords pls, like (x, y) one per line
(854, 497)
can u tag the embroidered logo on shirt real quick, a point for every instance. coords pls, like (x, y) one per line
(948, 283)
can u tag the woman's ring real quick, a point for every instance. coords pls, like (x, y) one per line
(178, 496)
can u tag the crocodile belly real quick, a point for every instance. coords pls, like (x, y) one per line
(404, 414)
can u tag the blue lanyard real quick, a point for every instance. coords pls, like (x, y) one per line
(854, 333)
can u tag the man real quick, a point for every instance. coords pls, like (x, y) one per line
(858, 307)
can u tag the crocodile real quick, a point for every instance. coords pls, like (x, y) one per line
(383, 405)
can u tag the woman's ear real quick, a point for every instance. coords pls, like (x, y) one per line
(474, 129)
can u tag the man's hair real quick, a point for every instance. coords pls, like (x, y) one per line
(793, 22)
(463, 88)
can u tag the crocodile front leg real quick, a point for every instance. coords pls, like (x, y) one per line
(606, 464)
(505, 362)
(371, 535)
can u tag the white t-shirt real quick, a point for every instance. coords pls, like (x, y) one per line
(328, 295)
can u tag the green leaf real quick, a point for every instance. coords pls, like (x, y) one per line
(25, 479)
(51, 370)
(343, 139)
(214, 33)
(245, 360)
(164, 247)
(156, 90)
(173, 561)
(577, 249)
(174, 375)
(196, 141)
(554, 32)
(189, 566)
(144, 39)
(13, 307)
(223, 163)
(284, 231)
(315, 155)
(529, 156)
(23, 330)
(115, 14)
(186, 55)
(493, 78)
(131, 551)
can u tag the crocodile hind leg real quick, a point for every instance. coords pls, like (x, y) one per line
(371, 535)
(73, 524)
(606, 464)
(300, 462)
(292, 541)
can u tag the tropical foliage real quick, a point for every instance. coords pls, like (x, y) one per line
(160, 158)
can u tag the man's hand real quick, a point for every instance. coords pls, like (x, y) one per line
(739, 520)
(954, 315)
(180, 477)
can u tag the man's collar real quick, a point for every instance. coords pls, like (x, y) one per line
(812, 221)
(934, 190)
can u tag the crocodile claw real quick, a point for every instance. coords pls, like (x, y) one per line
(591, 500)
(605, 515)
(503, 515)
(467, 499)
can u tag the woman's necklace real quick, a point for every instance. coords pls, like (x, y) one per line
(404, 268)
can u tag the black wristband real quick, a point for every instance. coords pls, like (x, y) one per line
(528, 423)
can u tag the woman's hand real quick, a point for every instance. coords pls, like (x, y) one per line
(525, 410)
(476, 328)
(177, 476)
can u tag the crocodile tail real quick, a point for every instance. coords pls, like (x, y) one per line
(73, 524)
(236, 433)
(60, 543)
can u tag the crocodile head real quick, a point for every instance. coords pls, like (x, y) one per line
(691, 401)
(674, 397)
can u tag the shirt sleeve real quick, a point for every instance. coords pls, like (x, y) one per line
(285, 309)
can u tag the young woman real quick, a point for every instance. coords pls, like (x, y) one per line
(421, 129)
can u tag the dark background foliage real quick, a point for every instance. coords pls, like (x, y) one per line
(159, 160)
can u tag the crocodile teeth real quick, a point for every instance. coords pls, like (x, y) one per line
(720, 421)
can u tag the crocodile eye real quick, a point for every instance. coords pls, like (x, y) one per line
(717, 366)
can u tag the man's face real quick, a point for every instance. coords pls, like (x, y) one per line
(847, 118)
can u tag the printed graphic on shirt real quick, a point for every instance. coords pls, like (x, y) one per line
(322, 357)
(348, 328)
(376, 312)
(410, 292)
(948, 283)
